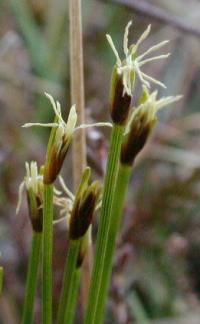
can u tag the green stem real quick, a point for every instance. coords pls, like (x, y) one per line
(72, 300)
(47, 254)
(116, 217)
(66, 310)
(104, 224)
(31, 282)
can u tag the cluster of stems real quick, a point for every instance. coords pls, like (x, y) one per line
(131, 128)
(79, 228)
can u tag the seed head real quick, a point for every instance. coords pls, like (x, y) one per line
(33, 183)
(142, 121)
(131, 65)
(120, 101)
(84, 206)
(59, 141)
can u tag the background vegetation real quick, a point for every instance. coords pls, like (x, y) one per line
(156, 272)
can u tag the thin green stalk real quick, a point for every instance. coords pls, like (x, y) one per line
(66, 310)
(47, 254)
(115, 221)
(104, 224)
(32, 276)
(72, 301)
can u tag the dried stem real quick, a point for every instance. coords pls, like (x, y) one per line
(77, 87)
(77, 97)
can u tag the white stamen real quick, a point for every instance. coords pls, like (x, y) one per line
(143, 37)
(20, 196)
(167, 101)
(102, 124)
(152, 49)
(140, 75)
(132, 64)
(66, 189)
(57, 221)
(55, 107)
(58, 106)
(40, 124)
(110, 41)
(57, 192)
(154, 80)
(151, 59)
(125, 43)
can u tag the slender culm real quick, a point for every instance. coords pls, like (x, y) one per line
(47, 254)
(32, 276)
(116, 216)
(79, 227)
(70, 281)
(102, 238)
(33, 183)
(131, 130)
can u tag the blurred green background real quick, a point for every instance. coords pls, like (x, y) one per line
(156, 276)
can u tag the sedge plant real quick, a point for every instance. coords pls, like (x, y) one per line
(141, 123)
(33, 184)
(131, 129)
(59, 141)
(122, 88)
(79, 227)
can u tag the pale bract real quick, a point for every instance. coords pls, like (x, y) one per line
(151, 106)
(133, 62)
(63, 128)
(32, 181)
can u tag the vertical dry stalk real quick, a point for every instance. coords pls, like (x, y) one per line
(77, 97)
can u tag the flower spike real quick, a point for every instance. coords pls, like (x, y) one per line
(142, 122)
(133, 62)
(126, 50)
(84, 206)
(60, 138)
(59, 141)
(33, 183)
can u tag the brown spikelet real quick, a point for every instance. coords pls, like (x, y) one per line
(81, 217)
(35, 211)
(120, 103)
(135, 140)
(55, 161)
